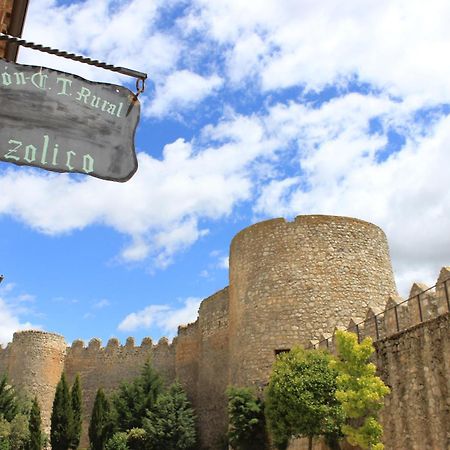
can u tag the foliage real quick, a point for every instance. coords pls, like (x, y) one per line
(75, 397)
(20, 435)
(359, 391)
(170, 425)
(100, 427)
(62, 417)
(136, 439)
(117, 442)
(246, 418)
(36, 437)
(9, 403)
(133, 399)
(14, 432)
(300, 398)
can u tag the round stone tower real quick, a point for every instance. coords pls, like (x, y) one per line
(36, 362)
(292, 281)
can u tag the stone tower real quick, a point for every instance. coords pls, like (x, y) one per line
(35, 364)
(293, 281)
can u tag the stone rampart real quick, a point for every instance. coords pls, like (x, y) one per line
(397, 314)
(291, 283)
(107, 367)
(415, 363)
(213, 369)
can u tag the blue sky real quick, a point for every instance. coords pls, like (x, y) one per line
(253, 110)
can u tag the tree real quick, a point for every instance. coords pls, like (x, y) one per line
(76, 403)
(9, 403)
(170, 425)
(35, 441)
(62, 417)
(359, 391)
(246, 419)
(300, 398)
(20, 435)
(134, 399)
(100, 427)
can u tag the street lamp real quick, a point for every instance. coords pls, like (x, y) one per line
(1, 278)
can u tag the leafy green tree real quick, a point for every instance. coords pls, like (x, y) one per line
(62, 417)
(76, 403)
(118, 442)
(246, 419)
(100, 427)
(300, 398)
(134, 399)
(9, 402)
(170, 425)
(359, 391)
(20, 434)
(36, 438)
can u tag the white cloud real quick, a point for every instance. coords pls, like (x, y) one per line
(181, 90)
(11, 311)
(399, 46)
(398, 49)
(224, 262)
(167, 318)
(103, 303)
(160, 207)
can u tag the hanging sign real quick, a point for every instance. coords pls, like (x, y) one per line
(64, 123)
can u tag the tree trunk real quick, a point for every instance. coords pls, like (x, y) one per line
(309, 442)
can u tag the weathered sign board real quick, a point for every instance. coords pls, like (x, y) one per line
(63, 123)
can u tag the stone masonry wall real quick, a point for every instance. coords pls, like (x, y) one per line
(415, 363)
(109, 366)
(293, 281)
(5, 14)
(213, 369)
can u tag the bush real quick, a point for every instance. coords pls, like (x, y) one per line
(117, 442)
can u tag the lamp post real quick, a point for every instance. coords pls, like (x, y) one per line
(1, 278)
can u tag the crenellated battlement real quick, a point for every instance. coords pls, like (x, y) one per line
(424, 303)
(113, 346)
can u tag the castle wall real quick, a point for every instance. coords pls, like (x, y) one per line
(187, 355)
(293, 281)
(415, 363)
(109, 366)
(213, 369)
(289, 283)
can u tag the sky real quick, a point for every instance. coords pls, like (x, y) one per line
(252, 110)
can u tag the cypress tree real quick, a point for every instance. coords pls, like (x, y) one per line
(75, 395)
(171, 424)
(133, 400)
(35, 442)
(100, 429)
(9, 405)
(62, 417)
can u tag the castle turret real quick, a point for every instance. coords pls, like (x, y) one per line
(291, 282)
(36, 362)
